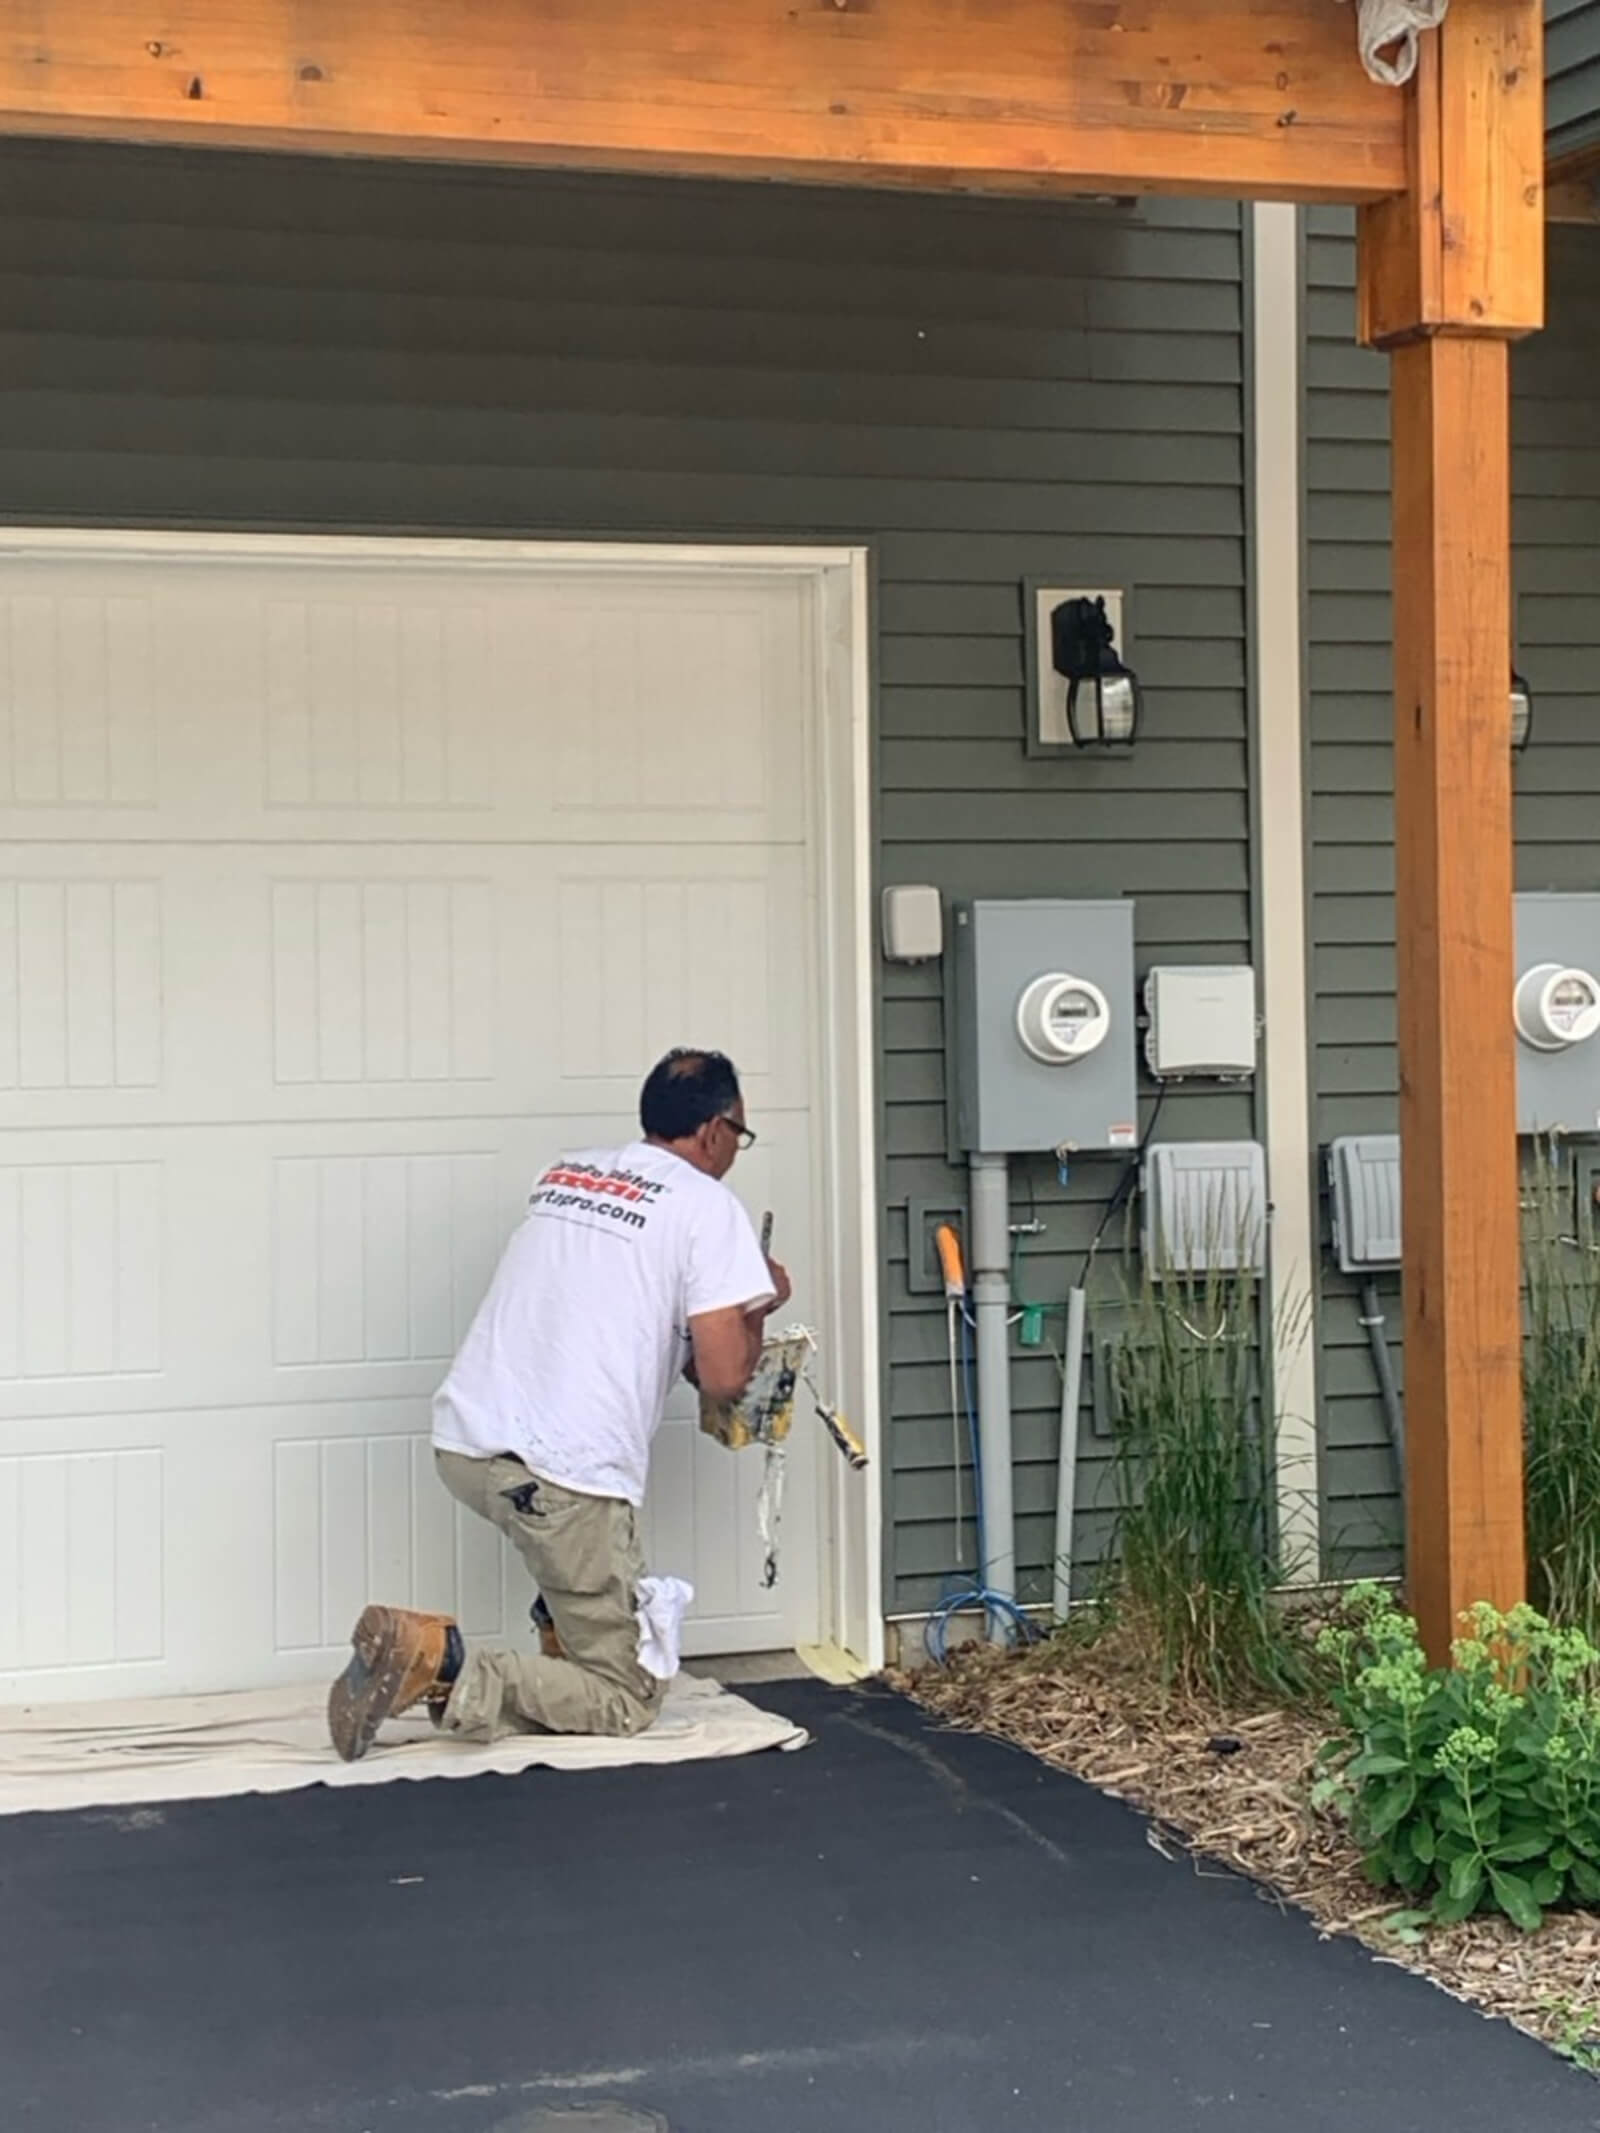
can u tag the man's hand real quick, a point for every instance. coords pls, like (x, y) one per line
(727, 1347)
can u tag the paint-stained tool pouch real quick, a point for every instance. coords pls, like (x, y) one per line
(765, 1412)
(764, 1415)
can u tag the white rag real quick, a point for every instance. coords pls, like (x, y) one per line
(1387, 32)
(660, 1612)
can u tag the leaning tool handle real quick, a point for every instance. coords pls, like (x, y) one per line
(833, 1422)
(772, 1483)
(839, 1430)
(948, 1245)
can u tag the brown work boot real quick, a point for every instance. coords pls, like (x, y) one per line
(398, 1658)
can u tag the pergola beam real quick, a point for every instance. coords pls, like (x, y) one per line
(1238, 98)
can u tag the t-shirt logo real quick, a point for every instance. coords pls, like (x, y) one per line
(579, 1191)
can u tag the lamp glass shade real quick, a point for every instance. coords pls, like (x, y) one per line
(1521, 713)
(1103, 709)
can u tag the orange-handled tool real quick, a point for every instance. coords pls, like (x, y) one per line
(948, 1246)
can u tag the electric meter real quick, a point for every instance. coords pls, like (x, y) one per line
(1556, 1006)
(1061, 1018)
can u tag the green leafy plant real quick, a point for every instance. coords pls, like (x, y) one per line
(1195, 1568)
(1474, 1787)
(1561, 1401)
(1576, 2032)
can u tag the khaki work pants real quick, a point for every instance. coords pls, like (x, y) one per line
(583, 1554)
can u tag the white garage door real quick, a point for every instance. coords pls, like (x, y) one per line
(338, 895)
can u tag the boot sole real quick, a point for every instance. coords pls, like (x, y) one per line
(367, 1691)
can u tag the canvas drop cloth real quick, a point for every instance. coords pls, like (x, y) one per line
(274, 1740)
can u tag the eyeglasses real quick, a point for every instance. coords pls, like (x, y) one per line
(744, 1135)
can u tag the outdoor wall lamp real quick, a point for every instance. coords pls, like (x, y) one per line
(1103, 696)
(1521, 713)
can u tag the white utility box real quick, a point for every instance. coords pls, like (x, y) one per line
(1202, 1021)
(1205, 1207)
(1364, 1176)
(913, 924)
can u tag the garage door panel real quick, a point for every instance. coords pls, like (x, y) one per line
(257, 1534)
(81, 1547)
(669, 706)
(378, 704)
(79, 703)
(212, 1265)
(80, 982)
(337, 1258)
(361, 1515)
(80, 1273)
(648, 951)
(96, 1558)
(282, 983)
(397, 703)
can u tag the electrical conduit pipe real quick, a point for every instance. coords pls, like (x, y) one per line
(991, 1295)
(1067, 1467)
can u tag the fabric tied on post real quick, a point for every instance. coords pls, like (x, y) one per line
(1387, 31)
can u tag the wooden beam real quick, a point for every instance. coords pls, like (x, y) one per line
(1240, 98)
(1448, 276)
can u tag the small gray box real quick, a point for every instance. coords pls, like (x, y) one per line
(1205, 1207)
(1558, 1092)
(1004, 1101)
(1364, 1175)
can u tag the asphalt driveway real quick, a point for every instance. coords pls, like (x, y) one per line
(896, 1930)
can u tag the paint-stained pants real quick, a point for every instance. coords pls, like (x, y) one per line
(583, 1554)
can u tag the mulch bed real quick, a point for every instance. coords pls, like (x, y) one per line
(1233, 1785)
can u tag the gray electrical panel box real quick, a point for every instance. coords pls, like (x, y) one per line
(1040, 1026)
(1556, 1013)
(1364, 1176)
(1205, 1207)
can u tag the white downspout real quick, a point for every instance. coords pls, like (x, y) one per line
(1276, 326)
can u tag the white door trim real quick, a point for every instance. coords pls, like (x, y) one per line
(850, 1537)
(1275, 606)
(852, 1569)
(365, 549)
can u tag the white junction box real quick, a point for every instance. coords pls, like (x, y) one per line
(913, 923)
(1364, 1177)
(1205, 1207)
(1202, 1021)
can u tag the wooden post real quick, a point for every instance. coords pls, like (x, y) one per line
(1453, 856)
(1450, 273)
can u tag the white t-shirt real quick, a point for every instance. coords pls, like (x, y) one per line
(585, 1328)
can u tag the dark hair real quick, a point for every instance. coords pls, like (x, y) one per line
(683, 1091)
